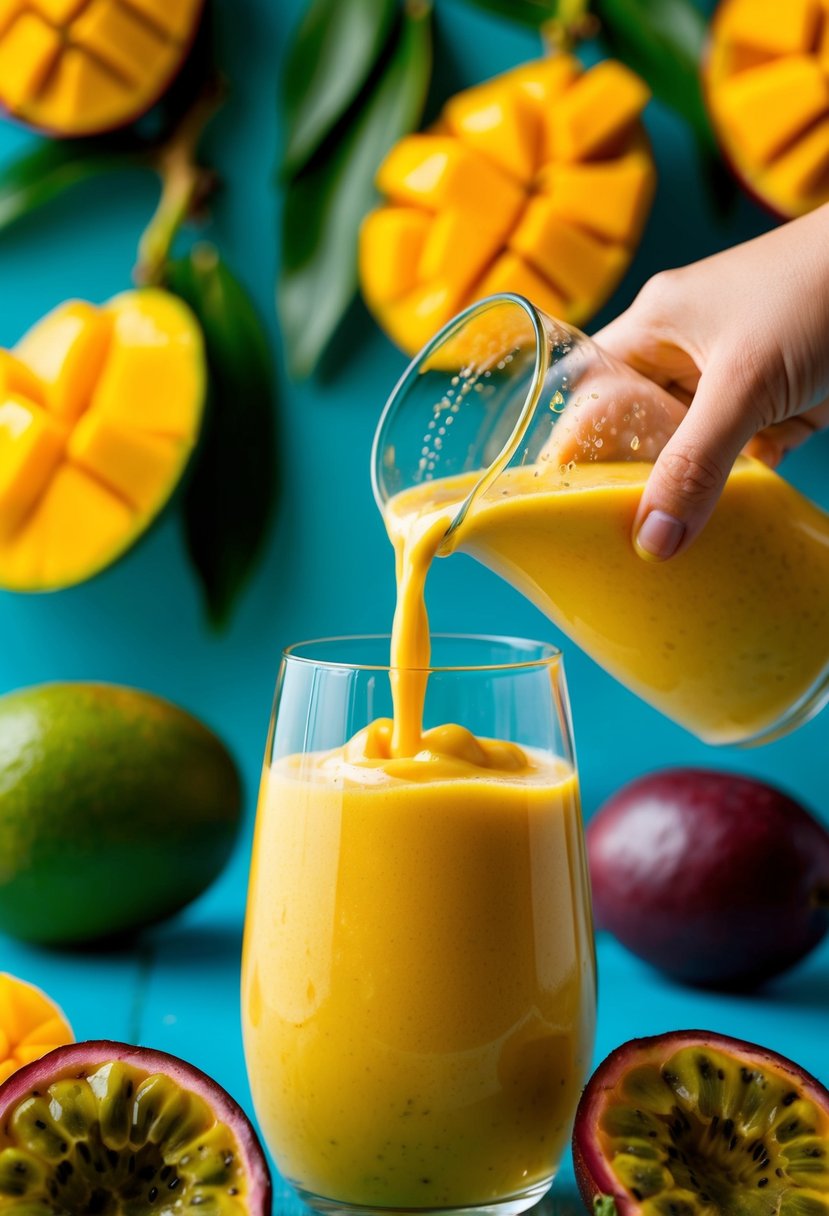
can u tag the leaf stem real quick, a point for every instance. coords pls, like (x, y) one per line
(573, 23)
(185, 184)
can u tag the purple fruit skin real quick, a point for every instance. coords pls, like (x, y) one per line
(716, 879)
(93, 1054)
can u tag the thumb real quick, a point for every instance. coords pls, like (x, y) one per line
(690, 473)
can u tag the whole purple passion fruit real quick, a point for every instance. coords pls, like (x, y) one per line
(107, 1128)
(716, 879)
(696, 1124)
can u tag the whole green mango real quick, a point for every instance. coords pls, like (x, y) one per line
(116, 809)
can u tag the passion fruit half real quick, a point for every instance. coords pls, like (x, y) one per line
(696, 1124)
(105, 1128)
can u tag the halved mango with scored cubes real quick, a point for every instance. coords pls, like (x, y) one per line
(100, 409)
(77, 67)
(537, 182)
(767, 85)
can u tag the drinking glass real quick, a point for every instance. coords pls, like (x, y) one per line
(418, 983)
(541, 443)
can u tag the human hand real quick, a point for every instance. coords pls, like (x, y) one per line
(742, 339)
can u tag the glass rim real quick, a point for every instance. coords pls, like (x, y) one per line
(447, 331)
(546, 653)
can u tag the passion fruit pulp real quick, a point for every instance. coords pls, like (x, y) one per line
(108, 1129)
(696, 1124)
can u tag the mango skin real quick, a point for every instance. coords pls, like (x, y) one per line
(116, 810)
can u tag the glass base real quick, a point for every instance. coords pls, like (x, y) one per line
(509, 1206)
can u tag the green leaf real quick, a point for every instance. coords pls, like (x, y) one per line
(53, 167)
(662, 40)
(229, 499)
(328, 63)
(534, 13)
(325, 205)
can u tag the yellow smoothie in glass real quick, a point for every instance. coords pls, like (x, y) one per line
(699, 636)
(418, 973)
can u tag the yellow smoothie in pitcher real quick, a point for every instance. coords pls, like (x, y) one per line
(724, 639)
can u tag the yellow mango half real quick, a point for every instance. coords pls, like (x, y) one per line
(77, 67)
(100, 409)
(767, 86)
(537, 182)
(30, 1025)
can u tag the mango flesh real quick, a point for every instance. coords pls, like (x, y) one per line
(767, 84)
(77, 67)
(30, 1025)
(537, 182)
(116, 810)
(100, 409)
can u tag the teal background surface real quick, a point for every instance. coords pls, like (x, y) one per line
(328, 569)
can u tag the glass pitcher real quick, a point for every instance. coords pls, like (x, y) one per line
(537, 445)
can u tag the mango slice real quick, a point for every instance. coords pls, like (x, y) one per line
(78, 67)
(30, 1025)
(537, 182)
(100, 409)
(767, 85)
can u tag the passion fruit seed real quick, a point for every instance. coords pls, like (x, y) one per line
(117, 1142)
(703, 1133)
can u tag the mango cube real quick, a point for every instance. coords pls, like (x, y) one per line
(511, 273)
(772, 27)
(768, 106)
(391, 244)
(455, 243)
(610, 198)
(599, 107)
(440, 173)
(122, 41)
(28, 49)
(501, 123)
(576, 262)
(153, 379)
(31, 445)
(75, 515)
(135, 466)
(66, 351)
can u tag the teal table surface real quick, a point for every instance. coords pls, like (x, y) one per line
(141, 623)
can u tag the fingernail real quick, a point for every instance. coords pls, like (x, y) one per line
(659, 536)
